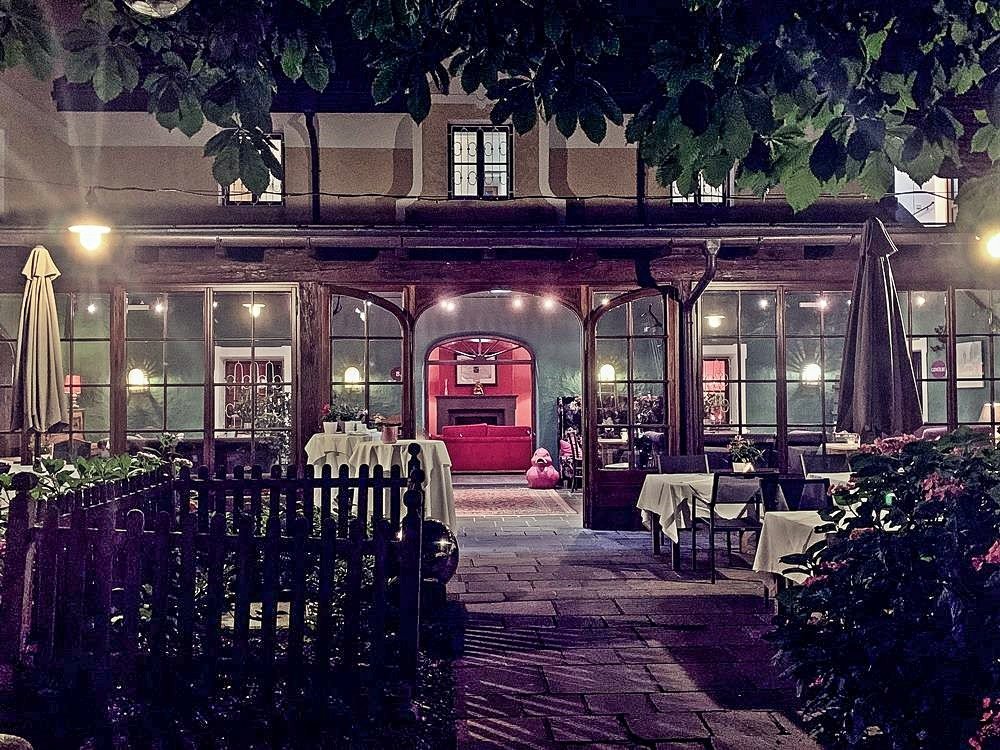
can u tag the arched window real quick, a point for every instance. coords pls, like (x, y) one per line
(366, 345)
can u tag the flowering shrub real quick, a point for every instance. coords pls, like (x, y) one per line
(895, 640)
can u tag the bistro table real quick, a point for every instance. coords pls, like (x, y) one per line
(835, 477)
(439, 498)
(786, 532)
(667, 499)
(334, 449)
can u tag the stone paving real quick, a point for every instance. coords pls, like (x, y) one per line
(582, 639)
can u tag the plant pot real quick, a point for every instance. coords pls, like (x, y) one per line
(354, 426)
(329, 427)
(742, 467)
(390, 434)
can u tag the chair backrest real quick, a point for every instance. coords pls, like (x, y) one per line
(719, 460)
(738, 489)
(815, 495)
(824, 463)
(695, 464)
(774, 492)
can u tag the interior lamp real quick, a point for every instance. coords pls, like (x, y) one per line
(715, 320)
(157, 8)
(811, 373)
(89, 226)
(990, 412)
(254, 308)
(607, 373)
(138, 380)
(352, 375)
(73, 385)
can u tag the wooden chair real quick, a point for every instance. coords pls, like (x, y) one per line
(694, 464)
(572, 470)
(824, 463)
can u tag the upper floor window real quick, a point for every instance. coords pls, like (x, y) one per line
(930, 203)
(481, 161)
(238, 194)
(703, 193)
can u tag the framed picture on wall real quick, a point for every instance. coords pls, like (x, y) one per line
(969, 364)
(470, 374)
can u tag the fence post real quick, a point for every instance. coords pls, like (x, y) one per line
(410, 570)
(15, 618)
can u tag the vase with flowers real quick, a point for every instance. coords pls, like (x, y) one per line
(744, 453)
(390, 430)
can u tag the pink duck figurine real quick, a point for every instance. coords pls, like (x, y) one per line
(542, 475)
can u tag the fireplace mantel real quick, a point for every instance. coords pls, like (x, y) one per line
(495, 409)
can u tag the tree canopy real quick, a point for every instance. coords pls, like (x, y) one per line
(798, 93)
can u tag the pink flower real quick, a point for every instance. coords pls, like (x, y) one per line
(858, 533)
(890, 446)
(813, 580)
(992, 557)
(939, 487)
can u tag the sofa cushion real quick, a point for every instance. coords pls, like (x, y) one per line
(508, 431)
(464, 430)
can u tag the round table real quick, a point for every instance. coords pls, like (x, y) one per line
(334, 449)
(786, 533)
(439, 494)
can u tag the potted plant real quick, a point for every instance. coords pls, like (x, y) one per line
(331, 417)
(744, 453)
(355, 419)
(390, 430)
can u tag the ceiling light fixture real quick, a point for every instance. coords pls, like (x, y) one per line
(89, 226)
(714, 320)
(254, 308)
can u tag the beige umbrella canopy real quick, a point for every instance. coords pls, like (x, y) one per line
(39, 398)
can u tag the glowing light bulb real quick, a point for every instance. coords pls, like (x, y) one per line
(91, 308)
(993, 246)
(549, 303)
(448, 305)
(254, 308)
(90, 236)
(137, 379)
(714, 321)
(607, 373)
(811, 373)
(920, 300)
(763, 303)
(352, 375)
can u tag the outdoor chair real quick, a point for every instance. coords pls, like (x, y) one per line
(828, 463)
(694, 464)
(746, 491)
(815, 495)
(718, 459)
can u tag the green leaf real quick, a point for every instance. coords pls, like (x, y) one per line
(554, 25)
(736, 133)
(802, 189)
(292, 58)
(594, 125)
(101, 13)
(191, 117)
(253, 172)
(877, 176)
(315, 71)
(978, 207)
(566, 123)
(219, 141)
(107, 81)
(226, 167)
(418, 98)
(80, 66)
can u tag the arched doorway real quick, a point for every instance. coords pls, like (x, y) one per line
(629, 381)
(480, 380)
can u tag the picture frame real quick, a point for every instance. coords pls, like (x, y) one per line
(969, 364)
(470, 374)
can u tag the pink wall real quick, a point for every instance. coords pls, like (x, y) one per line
(512, 380)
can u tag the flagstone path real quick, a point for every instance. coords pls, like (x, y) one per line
(581, 639)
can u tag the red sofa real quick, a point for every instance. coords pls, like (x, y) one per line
(483, 447)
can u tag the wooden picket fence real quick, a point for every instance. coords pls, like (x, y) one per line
(285, 576)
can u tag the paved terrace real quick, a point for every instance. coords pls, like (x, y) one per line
(581, 639)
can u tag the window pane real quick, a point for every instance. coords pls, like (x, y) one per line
(802, 314)
(971, 400)
(386, 400)
(759, 404)
(927, 312)
(613, 322)
(719, 313)
(93, 317)
(648, 318)
(348, 360)
(145, 313)
(271, 315)
(185, 408)
(836, 310)
(91, 360)
(95, 404)
(760, 359)
(758, 313)
(973, 312)
(145, 409)
(936, 402)
(347, 316)
(10, 315)
(647, 404)
(232, 316)
(804, 404)
(647, 359)
(185, 361)
(802, 360)
(185, 316)
(381, 322)
(612, 360)
(385, 358)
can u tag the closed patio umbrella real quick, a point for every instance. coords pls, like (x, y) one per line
(878, 392)
(39, 402)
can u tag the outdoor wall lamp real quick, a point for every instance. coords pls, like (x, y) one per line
(90, 227)
(993, 245)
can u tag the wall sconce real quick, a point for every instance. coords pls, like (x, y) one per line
(138, 380)
(607, 373)
(811, 374)
(714, 320)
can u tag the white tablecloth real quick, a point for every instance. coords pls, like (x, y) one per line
(439, 495)
(785, 533)
(671, 496)
(334, 448)
(835, 477)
